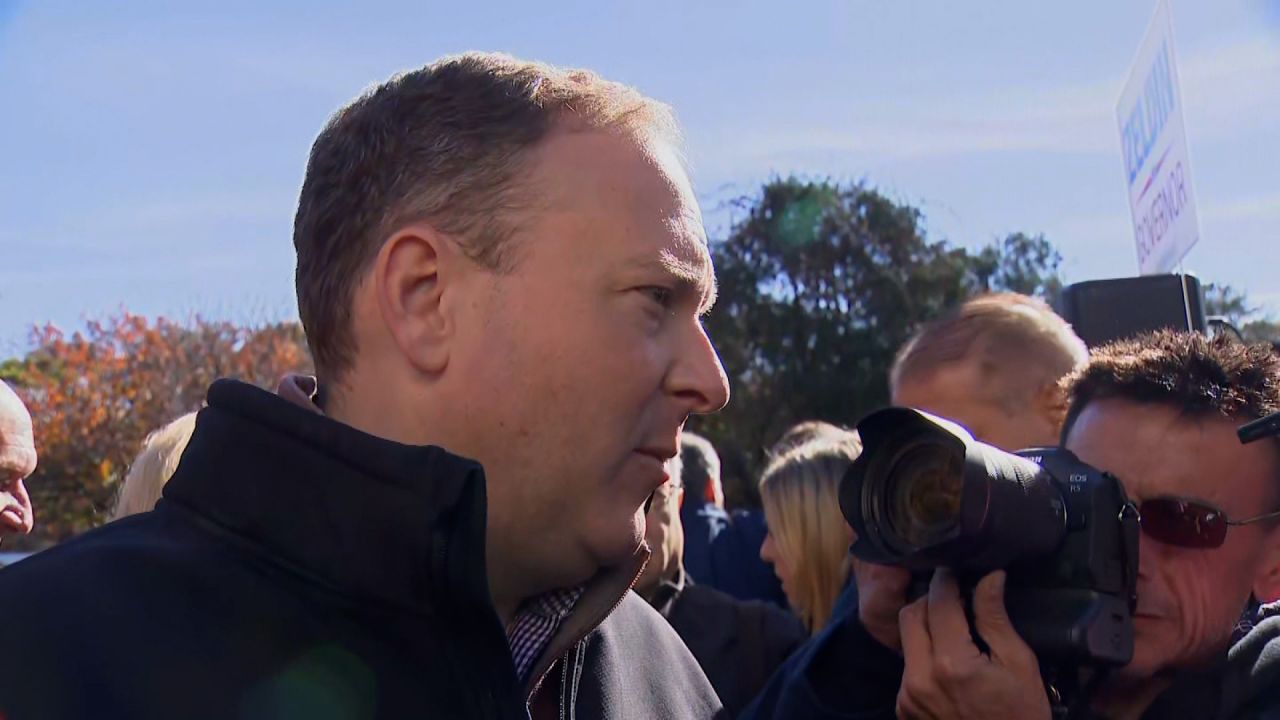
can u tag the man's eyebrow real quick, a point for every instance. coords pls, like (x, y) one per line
(695, 277)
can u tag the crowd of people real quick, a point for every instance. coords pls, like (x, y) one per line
(485, 505)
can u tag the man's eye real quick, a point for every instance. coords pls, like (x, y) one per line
(660, 295)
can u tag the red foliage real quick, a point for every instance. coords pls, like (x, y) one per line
(95, 396)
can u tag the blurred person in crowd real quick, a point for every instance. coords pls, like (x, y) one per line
(702, 512)
(808, 540)
(1160, 412)
(700, 465)
(721, 548)
(992, 365)
(17, 462)
(804, 432)
(738, 643)
(501, 272)
(153, 467)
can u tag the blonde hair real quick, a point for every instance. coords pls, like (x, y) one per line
(1018, 344)
(800, 491)
(806, 431)
(153, 467)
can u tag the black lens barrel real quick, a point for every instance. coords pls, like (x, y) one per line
(925, 494)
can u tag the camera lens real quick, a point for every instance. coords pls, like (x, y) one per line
(925, 494)
(925, 485)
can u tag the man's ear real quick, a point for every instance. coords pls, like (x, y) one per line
(1266, 582)
(1051, 402)
(411, 274)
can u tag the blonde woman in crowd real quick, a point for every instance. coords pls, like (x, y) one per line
(153, 467)
(808, 541)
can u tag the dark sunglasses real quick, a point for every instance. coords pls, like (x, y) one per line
(1189, 524)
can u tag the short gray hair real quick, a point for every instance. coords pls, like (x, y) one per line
(700, 464)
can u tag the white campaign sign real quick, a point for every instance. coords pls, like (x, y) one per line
(1154, 140)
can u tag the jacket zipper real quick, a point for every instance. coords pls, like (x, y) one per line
(565, 690)
(573, 648)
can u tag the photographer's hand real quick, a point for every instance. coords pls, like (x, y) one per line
(947, 676)
(882, 593)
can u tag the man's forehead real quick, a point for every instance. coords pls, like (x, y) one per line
(1156, 450)
(17, 457)
(17, 439)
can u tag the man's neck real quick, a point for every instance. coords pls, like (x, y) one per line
(506, 595)
(370, 412)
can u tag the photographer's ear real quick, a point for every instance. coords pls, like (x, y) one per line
(1266, 583)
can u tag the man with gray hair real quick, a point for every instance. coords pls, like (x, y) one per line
(501, 271)
(17, 462)
(702, 512)
(721, 549)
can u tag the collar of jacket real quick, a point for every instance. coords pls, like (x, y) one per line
(400, 523)
(365, 515)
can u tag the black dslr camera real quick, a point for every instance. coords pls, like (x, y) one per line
(924, 494)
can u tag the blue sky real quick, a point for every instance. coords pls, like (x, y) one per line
(151, 152)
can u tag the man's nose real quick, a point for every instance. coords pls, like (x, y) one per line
(698, 375)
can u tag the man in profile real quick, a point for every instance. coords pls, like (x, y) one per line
(702, 513)
(738, 643)
(721, 548)
(17, 462)
(501, 270)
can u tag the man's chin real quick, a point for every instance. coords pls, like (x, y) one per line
(620, 547)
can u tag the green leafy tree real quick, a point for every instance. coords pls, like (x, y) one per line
(820, 284)
(1027, 264)
(1227, 302)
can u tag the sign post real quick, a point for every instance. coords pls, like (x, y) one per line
(1153, 137)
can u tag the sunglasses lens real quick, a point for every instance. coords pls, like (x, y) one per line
(1182, 523)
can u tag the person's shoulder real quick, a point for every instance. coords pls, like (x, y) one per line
(1252, 677)
(768, 615)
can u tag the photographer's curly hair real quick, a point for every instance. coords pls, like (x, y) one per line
(1202, 376)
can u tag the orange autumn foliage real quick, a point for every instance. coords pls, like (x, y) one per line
(96, 395)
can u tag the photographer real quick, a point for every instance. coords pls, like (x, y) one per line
(995, 365)
(1159, 413)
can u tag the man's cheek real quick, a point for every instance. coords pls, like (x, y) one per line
(1201, 603)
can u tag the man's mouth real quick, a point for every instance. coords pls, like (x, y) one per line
(659, 458)
(13, 516)
(12, 519)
